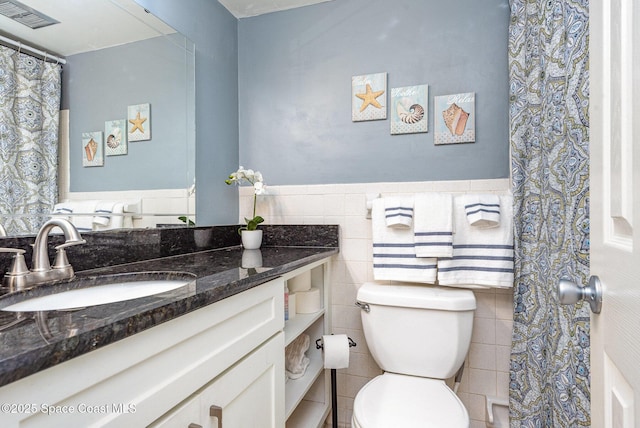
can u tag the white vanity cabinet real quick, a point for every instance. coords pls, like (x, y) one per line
(244, 396)
(228, 354)
(308, 398)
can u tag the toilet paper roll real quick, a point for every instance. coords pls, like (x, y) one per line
(308, 302)
(292, 306)
(336, 351)
(300, 282)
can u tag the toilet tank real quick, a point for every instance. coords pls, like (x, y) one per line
(419, 330)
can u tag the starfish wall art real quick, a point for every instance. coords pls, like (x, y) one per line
(369, 97)
(139, 122)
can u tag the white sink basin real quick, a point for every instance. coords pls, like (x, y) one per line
(98, 294)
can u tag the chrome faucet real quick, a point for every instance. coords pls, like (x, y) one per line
(19, 277)
(3, 231)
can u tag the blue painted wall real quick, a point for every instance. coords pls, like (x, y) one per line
(273, 92)
(99, 85)
(295, 70)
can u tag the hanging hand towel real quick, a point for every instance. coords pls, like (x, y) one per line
(62, 210)
(433, 224)
(481, 256)
(482, 210)
(108, 215)
(394, 253)
(104, 209)
(398, 211)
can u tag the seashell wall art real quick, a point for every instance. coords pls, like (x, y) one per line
(454, 119)
(409, 109)
(92, 151)
(115, 132)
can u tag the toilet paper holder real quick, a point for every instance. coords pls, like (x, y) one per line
(320, 346)
(334, 392)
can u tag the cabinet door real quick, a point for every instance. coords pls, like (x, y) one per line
(249, 394)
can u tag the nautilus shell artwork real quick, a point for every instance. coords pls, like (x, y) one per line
(410, 109)
(115, 132)
(413, 115)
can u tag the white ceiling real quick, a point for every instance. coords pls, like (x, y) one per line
(246, 8)
(87, 25)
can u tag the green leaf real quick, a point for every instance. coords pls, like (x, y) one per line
(184, 219)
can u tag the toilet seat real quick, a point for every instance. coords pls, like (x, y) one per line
(402, 401)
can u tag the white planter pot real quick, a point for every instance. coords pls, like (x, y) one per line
(251, 239)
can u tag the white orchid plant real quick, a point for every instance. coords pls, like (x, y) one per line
(255, 179)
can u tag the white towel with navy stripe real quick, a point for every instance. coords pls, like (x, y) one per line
(398, 211)
(481, 256)
(483, 210)
(104, 209)
(433, 224)
(394, 252)
(73, 210)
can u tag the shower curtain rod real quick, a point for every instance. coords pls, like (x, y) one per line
(30, 51)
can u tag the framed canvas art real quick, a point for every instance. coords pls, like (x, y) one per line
(369, 97)
(115, 132)
(92, 151)
(139, 125)
(409, 109)
(454, 119)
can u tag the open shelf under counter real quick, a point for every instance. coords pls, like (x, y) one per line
(294, 327)
(308, 414)
(297, 388)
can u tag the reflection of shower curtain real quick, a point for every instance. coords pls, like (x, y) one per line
(29, 106)
(549, 92)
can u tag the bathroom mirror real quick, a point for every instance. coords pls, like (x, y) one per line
(120, 57)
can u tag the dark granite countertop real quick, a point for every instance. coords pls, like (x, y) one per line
(45, 339)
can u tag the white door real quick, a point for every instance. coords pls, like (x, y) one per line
(615, 210)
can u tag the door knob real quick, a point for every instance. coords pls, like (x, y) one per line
(569, 293)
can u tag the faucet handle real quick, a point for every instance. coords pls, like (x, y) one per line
(69, 244)
(18, 266)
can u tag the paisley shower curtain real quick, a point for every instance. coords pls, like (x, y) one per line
(549, 95)
(29, 105)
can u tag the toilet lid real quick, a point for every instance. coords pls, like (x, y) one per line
(392, 400)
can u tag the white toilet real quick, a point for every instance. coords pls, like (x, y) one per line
(419, 335)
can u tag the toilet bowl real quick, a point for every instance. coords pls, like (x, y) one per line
(419, 335)
(392, 400)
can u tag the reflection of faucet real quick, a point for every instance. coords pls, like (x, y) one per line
(19, 277)
(3, 231)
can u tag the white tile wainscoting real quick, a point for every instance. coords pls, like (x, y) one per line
(487, 366)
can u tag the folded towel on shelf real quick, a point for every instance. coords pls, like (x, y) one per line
(433, 224)
(398, 211)
(483, 210)
(295, 359)
(394, 252)
(482, 257)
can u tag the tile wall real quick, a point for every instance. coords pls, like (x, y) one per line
(487, 366)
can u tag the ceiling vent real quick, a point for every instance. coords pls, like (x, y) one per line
(25, 15)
